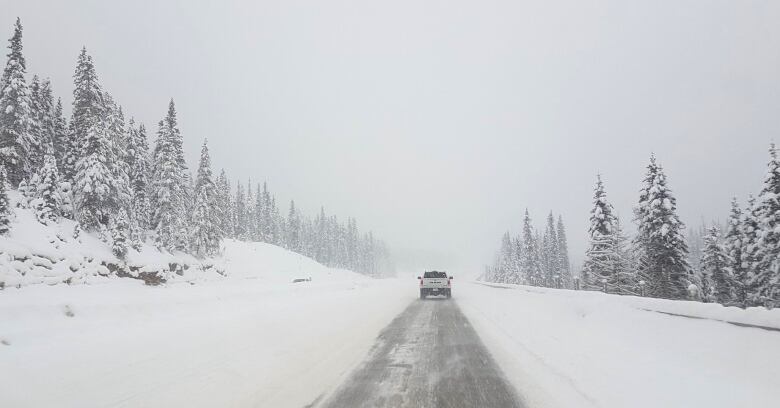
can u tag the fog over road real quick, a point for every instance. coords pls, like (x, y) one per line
(429, 356)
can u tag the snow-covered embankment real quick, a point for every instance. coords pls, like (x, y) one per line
(251, 338)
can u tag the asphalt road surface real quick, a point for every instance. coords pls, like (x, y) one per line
(429, 356)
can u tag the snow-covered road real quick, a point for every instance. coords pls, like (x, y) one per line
(429, 356)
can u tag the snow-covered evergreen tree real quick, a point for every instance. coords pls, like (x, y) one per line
(563, 254)
(206, 231)
(5, 204)
(169, 185)
(120, 234)
(531, 268)
(601, 258)
(659, 236)
(60, 138)
(732, 245)
(120, 166)
(47, 200)
(293, 229)
(139, 167)
(16, 119)
(764, 281)
(715, 269)
(239, 222)
(549, 254)
(505, 265)
(96, 191)
(36, 128)
(224, 202)
(88, 104)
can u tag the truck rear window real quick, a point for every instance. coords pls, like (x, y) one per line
(434, 274)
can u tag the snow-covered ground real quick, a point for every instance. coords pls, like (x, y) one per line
(252, 338)
(585, 349)
(34, 253)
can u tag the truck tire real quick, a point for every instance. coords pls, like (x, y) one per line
(422, 294)
(449, 293)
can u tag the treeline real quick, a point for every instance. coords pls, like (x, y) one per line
(533, 259)
(98, 169)
(738, 266)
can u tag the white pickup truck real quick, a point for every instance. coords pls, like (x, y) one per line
(435, 283)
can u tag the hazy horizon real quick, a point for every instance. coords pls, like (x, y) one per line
(436, 124)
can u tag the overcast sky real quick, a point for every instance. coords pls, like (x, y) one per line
(436, 123)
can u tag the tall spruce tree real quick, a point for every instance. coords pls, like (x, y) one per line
(715, 269)
(169, 185)
(563, 254)
(601, 258)
(206, 231)
(61, 140)
(16, 119)
(225, 204)
(531, 267)
(5, 204)
(765, 279)
(47, 198)
(293, 229)
(139, 170)
(732, 244)
(98, 192)
(659, 236)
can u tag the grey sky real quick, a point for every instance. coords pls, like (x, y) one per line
(436, 123)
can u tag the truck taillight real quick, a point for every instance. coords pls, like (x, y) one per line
(449, 282)
(420, 282)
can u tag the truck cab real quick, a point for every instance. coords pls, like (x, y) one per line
(434, 283)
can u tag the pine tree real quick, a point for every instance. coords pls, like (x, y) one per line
(531, 268)
(47, 198)
(267, 216)
(239, 223)
(293, 229)
(563, 254)
(732, 244)
(120, 166)
(48, 119)
(120, 234)
(764, 281)
(715, 267)
(663, 247)
(139, 170)
(16, 140)
(601, 258)
(623, 276)
(505, 266)
(550, 256)
(206, 231)
(169, 186)
(749, 231)
(98, 193)
(60, 138)
(225, 204)
(36, 129)
(5, 205)
(88, 104)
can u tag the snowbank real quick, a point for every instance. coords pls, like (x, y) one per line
(587, 349)
(34, 253)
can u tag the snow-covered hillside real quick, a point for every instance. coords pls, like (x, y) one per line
(34, 253)
(563, 348)
(250, 338)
